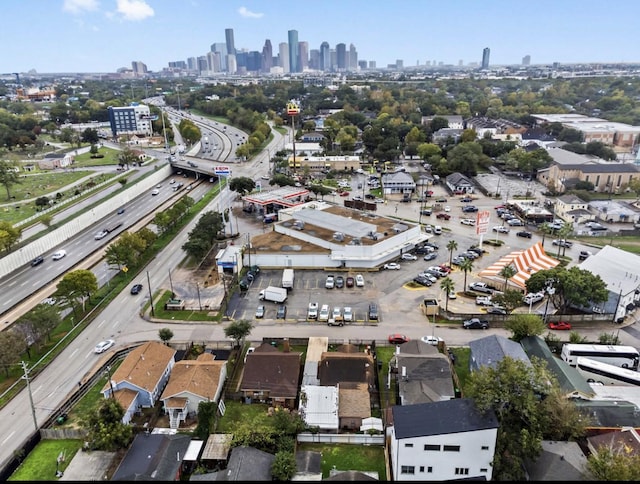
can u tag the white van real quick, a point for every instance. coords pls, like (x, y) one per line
(324, 313)
(437, 229)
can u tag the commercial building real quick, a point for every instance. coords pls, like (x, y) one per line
(135, 119)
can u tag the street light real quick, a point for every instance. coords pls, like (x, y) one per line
(550, 291)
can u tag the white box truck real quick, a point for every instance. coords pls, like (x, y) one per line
(287, 278)
(274, 294)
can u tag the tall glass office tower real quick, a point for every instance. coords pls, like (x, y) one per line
(485, 57)
(293, 51)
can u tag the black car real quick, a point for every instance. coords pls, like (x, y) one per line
(339, 282)
(524, 233)
(441, 200)
(475, 323)
(370, 196)
(470, 208)
(431, 244)
(37, 261)
(424, 250)
(466, 199)
(373, 312)
(282, 312)
(426, 211)
(423, 281)
(430, 256)
(136, 288)
(496, 310)
(477, 250)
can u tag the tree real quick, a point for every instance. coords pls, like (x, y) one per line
(507, 272)
(284, 466)
(546, 229)
(320, 190)
(523, 325)
(8, 176)
(9, 235)
(127, 157)
(611, 463)
(509, 299)
(572, 287)
(90, 135)
(282, 180)
(238, 330)
(513, 390)
(12, 343)
(451, 246)
(448, 286)
(466, 266)
(77, 285)
(563, 234)
(105, 428)
(165, 335)
(242, 185)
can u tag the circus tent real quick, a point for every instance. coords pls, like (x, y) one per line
(526, 262)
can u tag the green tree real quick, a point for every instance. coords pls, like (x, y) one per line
(320, 190)
(105, 428)
(546, 229)
(12, 344)
(238, 330)
(242, 185)
(466, 266)
(448, 286)
(9, 176)
(451, 246)
(507, 272)
(284, 466)
(165, 335)
(509, 299)
(572, 287)
(9, 235)
(127, 157)
(610, 463)
(77, 286)
(90, 135)
(37, 324)
(93, 150)
(563, 234)
(514, 390)
(523, 325)
(282, 180)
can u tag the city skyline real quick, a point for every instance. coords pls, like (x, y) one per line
(106, 35)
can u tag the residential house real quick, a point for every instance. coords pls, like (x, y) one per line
(314, 137)
(558, 461)
(319, 407)
(626, 440)
(615, 211)
(154, 457)
(318, 164)
(455, 120)
(483, 125)
(398, 182)
(459, 184)
(442, 441)
(341, 366)
(537, 138)
(308, 466)
(490, 350)
(245, 464)
(56, 160)
(605, 415)
(192, 382)
(572, 209)
(423, 374)
(353, 404)
(443, 134)
(271, 376)
(139, 380)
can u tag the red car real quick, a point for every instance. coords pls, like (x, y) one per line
(344, 194)
(397, 339)
(443, 215)
(445, 268)
(560, 325)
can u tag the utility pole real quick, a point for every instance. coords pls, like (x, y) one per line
(153, 312)
(33, 408)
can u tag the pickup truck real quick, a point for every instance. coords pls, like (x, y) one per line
(484, 301)
(481, 287)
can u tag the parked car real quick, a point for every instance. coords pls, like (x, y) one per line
(562, 243)
(281, 313)
(466, 199)
(104, 346)
(457, 260)
(560, 325)
(330, 282)
(431, 340)
(339, 282)
(430, 256)
(470, 208)
(392, 266)
(584, 254)
(475, 323)
(359, 280)
(467, 221)
(424, 249)
(496, 310)
(441, 200)
(515, 222)
(533, 297)
(524, 233)
(373, 312)
(260, 312)
(349, 281)
(347, 314)
(501, 229)
(444, 216)
(397, 338)
(423, 281)
(426, 211)
(136, 289)
(408, 256)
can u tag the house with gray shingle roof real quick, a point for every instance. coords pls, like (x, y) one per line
(192, 382)
(459, 184)
(399, 182)
(442, 441)
(488, 351)
(558, 461)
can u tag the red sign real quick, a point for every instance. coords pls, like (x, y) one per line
(482, 222)
(293, 109)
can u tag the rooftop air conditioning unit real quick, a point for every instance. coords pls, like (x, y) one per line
(339, 236)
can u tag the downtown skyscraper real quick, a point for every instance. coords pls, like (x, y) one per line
(293, 51)
(485, 58)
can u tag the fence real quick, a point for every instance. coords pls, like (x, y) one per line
(361, 439)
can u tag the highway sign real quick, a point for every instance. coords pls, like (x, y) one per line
(222, 170)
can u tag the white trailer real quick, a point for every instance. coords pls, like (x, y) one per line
(287, 278)
(274, 294)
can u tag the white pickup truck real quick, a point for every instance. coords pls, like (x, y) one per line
(481, 287)
(484, 301)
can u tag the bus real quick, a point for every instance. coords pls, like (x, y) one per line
(606, 374)
(616, 355)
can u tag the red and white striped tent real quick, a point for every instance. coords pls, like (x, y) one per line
(526, 262)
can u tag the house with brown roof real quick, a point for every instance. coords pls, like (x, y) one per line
(141, 377)
(271, 376)
(192, 382)
(353, 405)
(340, 367)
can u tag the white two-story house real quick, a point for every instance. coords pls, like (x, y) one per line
(442, 441)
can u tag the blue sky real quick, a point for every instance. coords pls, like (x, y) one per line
(104, 35)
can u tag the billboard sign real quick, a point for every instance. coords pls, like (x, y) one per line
(222, 170)
(482, 222)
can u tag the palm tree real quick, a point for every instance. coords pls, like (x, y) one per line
(507, 272)
(451, 246)
(545, 229)
(448, 286)
(466, 266)
(563, 233)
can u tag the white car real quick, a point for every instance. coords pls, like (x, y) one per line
(408, 256)
(101, 235)
(330, 282)
(467, 221)
(501, 229)
(392, 265)
(447, 208)
(59, 255)
(359, 280)
(533, 297)
(155, 191)
(347, 314)
(431, 340)
(104, 346)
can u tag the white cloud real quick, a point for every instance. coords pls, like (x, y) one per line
(134, 9)
(78, 6)
(245, 12)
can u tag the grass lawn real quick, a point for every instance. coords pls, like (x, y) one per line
(236, 412)
(40, 464)
(110, 158)
(347, 457)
